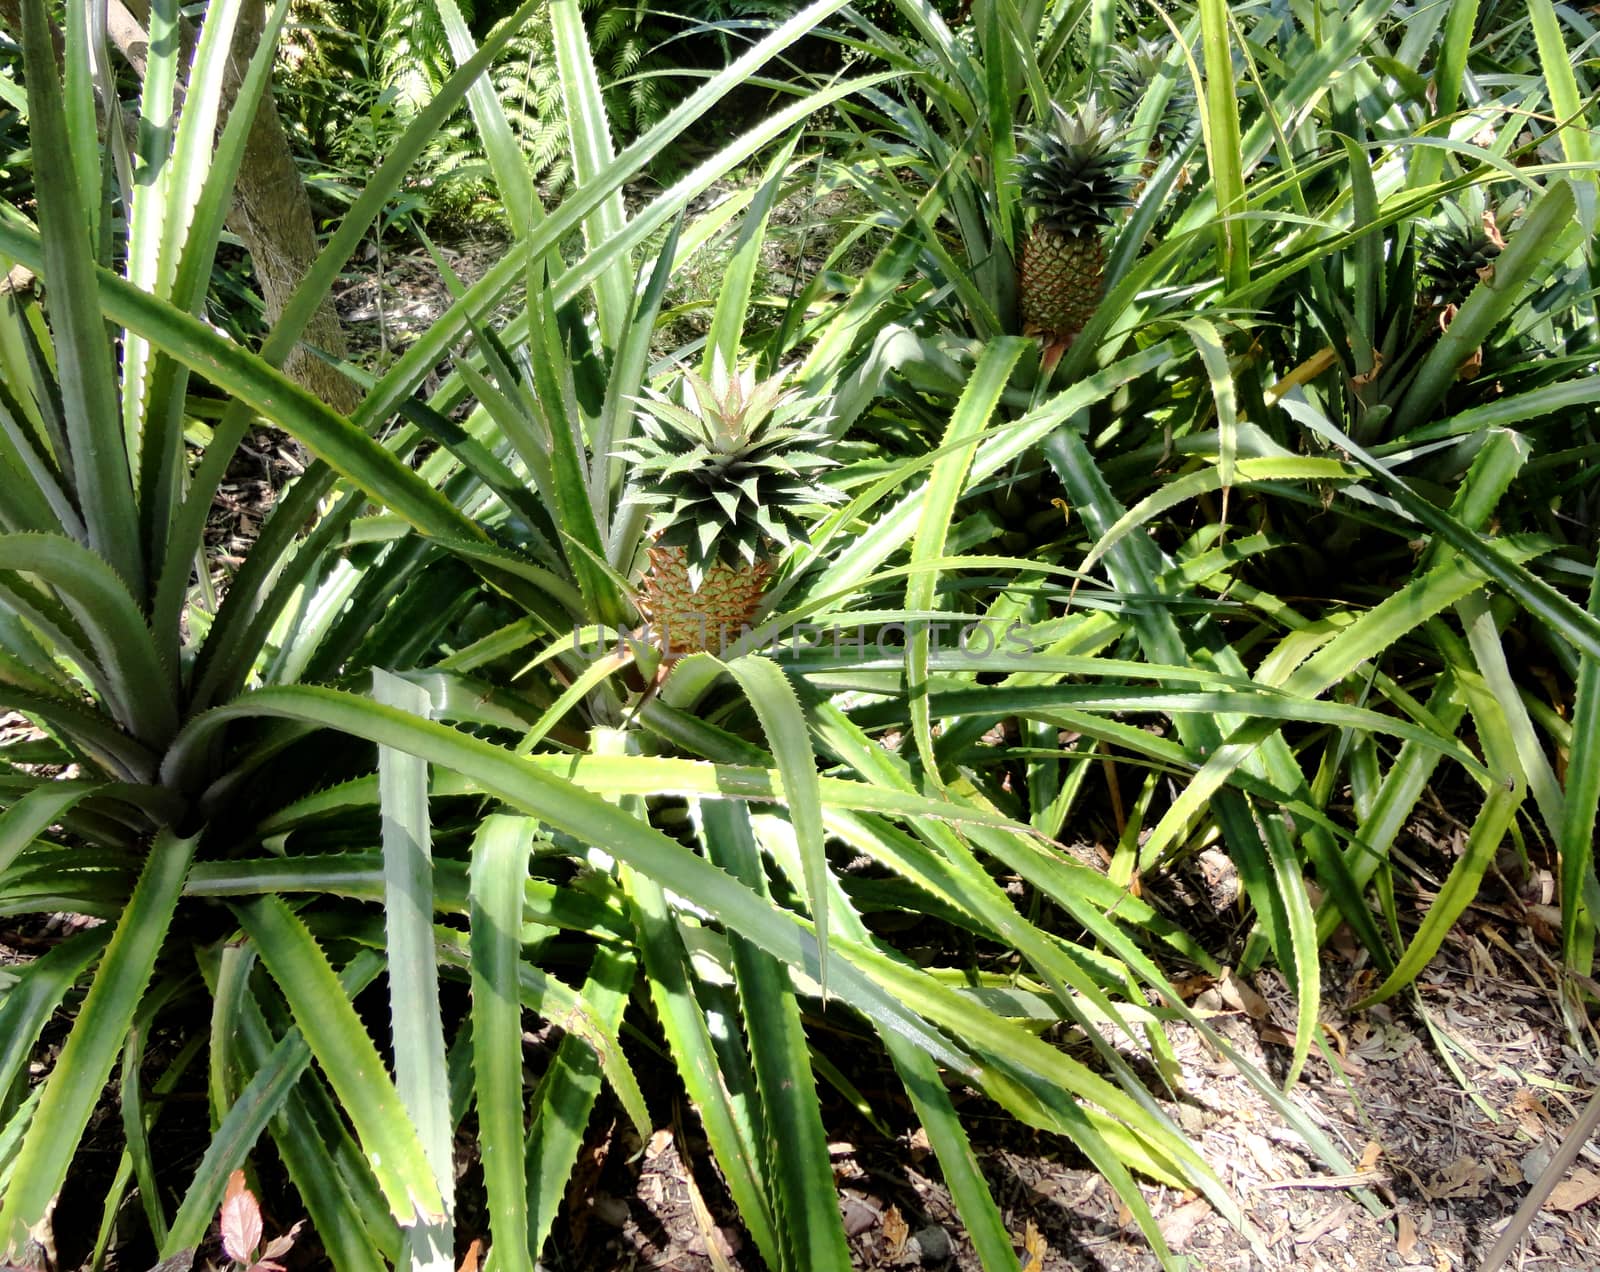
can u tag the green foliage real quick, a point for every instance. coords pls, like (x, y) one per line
(357, 71)
(16, 158)
(1282, 533)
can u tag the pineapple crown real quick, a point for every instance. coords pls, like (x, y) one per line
(730, 467)
(1131, 74)
(1070, 173)
(1455, 256)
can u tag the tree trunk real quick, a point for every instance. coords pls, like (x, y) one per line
(272, 214)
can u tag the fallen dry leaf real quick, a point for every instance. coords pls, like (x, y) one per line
(1405, 1240)
(1463, 1177)
(896, 1231)
(1179, 1225)
(1529, 1112)
(1190, 987)
(1242, 997)
(1261, 1151)
(858, 1214)
(469, 1262)
(1329, 1222)
(1578, 1189)
(1035, 1247)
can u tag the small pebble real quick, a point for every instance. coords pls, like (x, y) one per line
(934, 1244)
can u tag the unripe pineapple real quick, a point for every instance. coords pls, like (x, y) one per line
(730, 469)
(1133, 71)
(1456, 257)
(1071, 179)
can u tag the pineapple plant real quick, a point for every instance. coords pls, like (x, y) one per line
(1071, 179)
(729, 470)
(1132, 72)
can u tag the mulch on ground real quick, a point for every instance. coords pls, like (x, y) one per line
(1441, 1160)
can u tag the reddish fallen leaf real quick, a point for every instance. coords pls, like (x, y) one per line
(279, 1246)
(241, 1220)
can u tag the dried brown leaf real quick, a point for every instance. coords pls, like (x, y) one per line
(1035, 1247)
(1463, 1177)
(1529, 1112)
(1578, 1189)
(1405, 1240)
(896, 1231)
(1178, 1225)
(1243, 997)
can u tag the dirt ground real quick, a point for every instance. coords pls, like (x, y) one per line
(1442, 1161)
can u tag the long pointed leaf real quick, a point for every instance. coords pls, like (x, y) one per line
(418, 1030)
(85, 1061)
(346, 1053)
(499, 869)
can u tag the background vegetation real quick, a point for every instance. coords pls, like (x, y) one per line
(1298, 526)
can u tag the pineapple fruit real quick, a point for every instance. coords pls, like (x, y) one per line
(729, 469)
(1456, 257)
(1071, 179)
